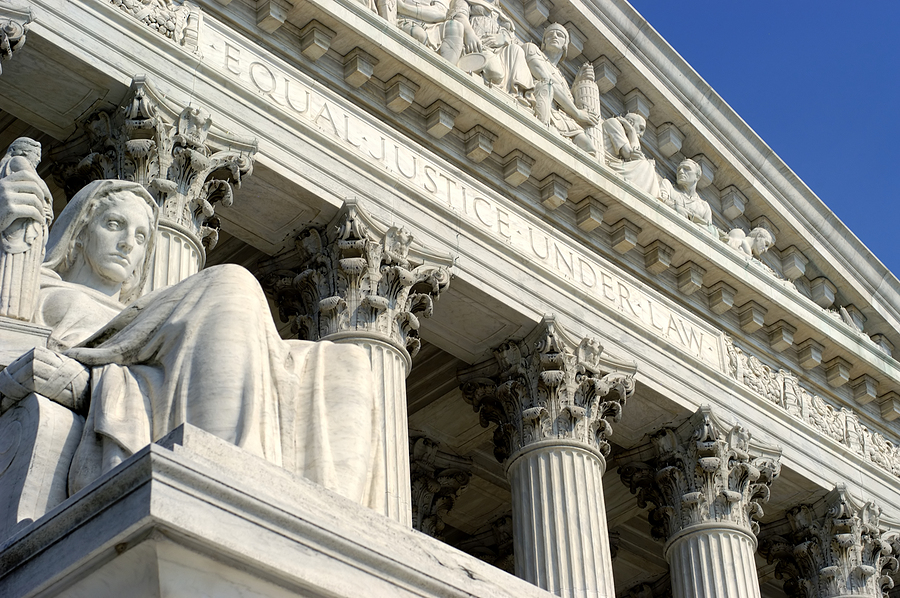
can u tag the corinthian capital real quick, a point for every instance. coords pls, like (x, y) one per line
(172, 151)
(356, 277)
(437, 479)
(834, 548)
(13, 26)
(704, 471)
(549, 386)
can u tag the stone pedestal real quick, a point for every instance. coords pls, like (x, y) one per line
(713, 561)
(391, 365)
(553, 400)
(560, 535)
(196, 516)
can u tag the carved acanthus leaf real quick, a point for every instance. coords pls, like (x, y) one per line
(355, 277)
(836, 547)
(701, 472)
(547, 387)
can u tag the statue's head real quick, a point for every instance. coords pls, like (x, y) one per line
(104, 238)
(762, 240)
(556, 35)
(638, 122)
(688, 174)
(27, 148)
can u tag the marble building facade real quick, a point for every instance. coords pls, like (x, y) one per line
(617, 347)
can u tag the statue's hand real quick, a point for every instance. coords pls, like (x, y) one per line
(22, 196)
(471, 42)
(45, 372)
(587, 119)
(495, 40)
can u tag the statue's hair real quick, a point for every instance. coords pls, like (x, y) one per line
(635, 115)
(690, 163)
(565, 32)
(765, 233)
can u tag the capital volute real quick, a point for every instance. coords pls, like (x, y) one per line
(14, 22)
(356, 276)
(547, 387)
(704, 471)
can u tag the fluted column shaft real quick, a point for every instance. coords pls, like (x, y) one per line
(713, 561)
(391, 365)
(178, 255)
(560, 532)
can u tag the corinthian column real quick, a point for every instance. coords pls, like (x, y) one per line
(835, 548)
(359, 283)
(553, 399)
(705, 480)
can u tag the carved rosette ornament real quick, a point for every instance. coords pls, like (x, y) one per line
(553, 399)
(438, 477)
(836, 548)
(549, 387)
(177, 157)
(706, 481)
(359, 282)
(13, 27)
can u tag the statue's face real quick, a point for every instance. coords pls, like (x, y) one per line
(115, 241)
(687, 174)
(555, 38)
(761, 244)
(638, 124)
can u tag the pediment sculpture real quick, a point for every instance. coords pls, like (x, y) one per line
(129, 367)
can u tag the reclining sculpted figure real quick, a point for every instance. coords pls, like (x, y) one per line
(203, 352)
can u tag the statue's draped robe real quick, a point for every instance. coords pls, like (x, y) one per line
(206, 352)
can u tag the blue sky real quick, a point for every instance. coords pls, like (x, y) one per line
(819, 81)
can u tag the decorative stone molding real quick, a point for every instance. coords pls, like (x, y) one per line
(400, 93)
(865, 389)
(606, 74)
(359, 66)
(661, 588)
(690, 277)
(623, 236)
(439, 119)
(822, 291)
(315, 40)
(589, 213)
(837, 372)
(707, 172)
(782, 388)
(479, 143)
(721, 297)
(356, 276)
(271, 14)
(705, 471)
(517, 167)
(438, 477)
(13, 28)
(658, 257)
(549, 387)
(178, 20)
(537, 11)
(781, 335)
(554, 191)
(752, 316)
(637, 102)
(733, 202)
(793, 263)
(836, 548)
(669, 139)
(576, 41)
(175, 153)
(809, 353)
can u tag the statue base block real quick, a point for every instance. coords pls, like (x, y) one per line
(195, 516)
(17, 337)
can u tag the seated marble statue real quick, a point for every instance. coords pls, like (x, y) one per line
(622, 152)
(753, 244)
(683, 197)
(203, 352)
(490, 37)
(435, 24)
(558, 107)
